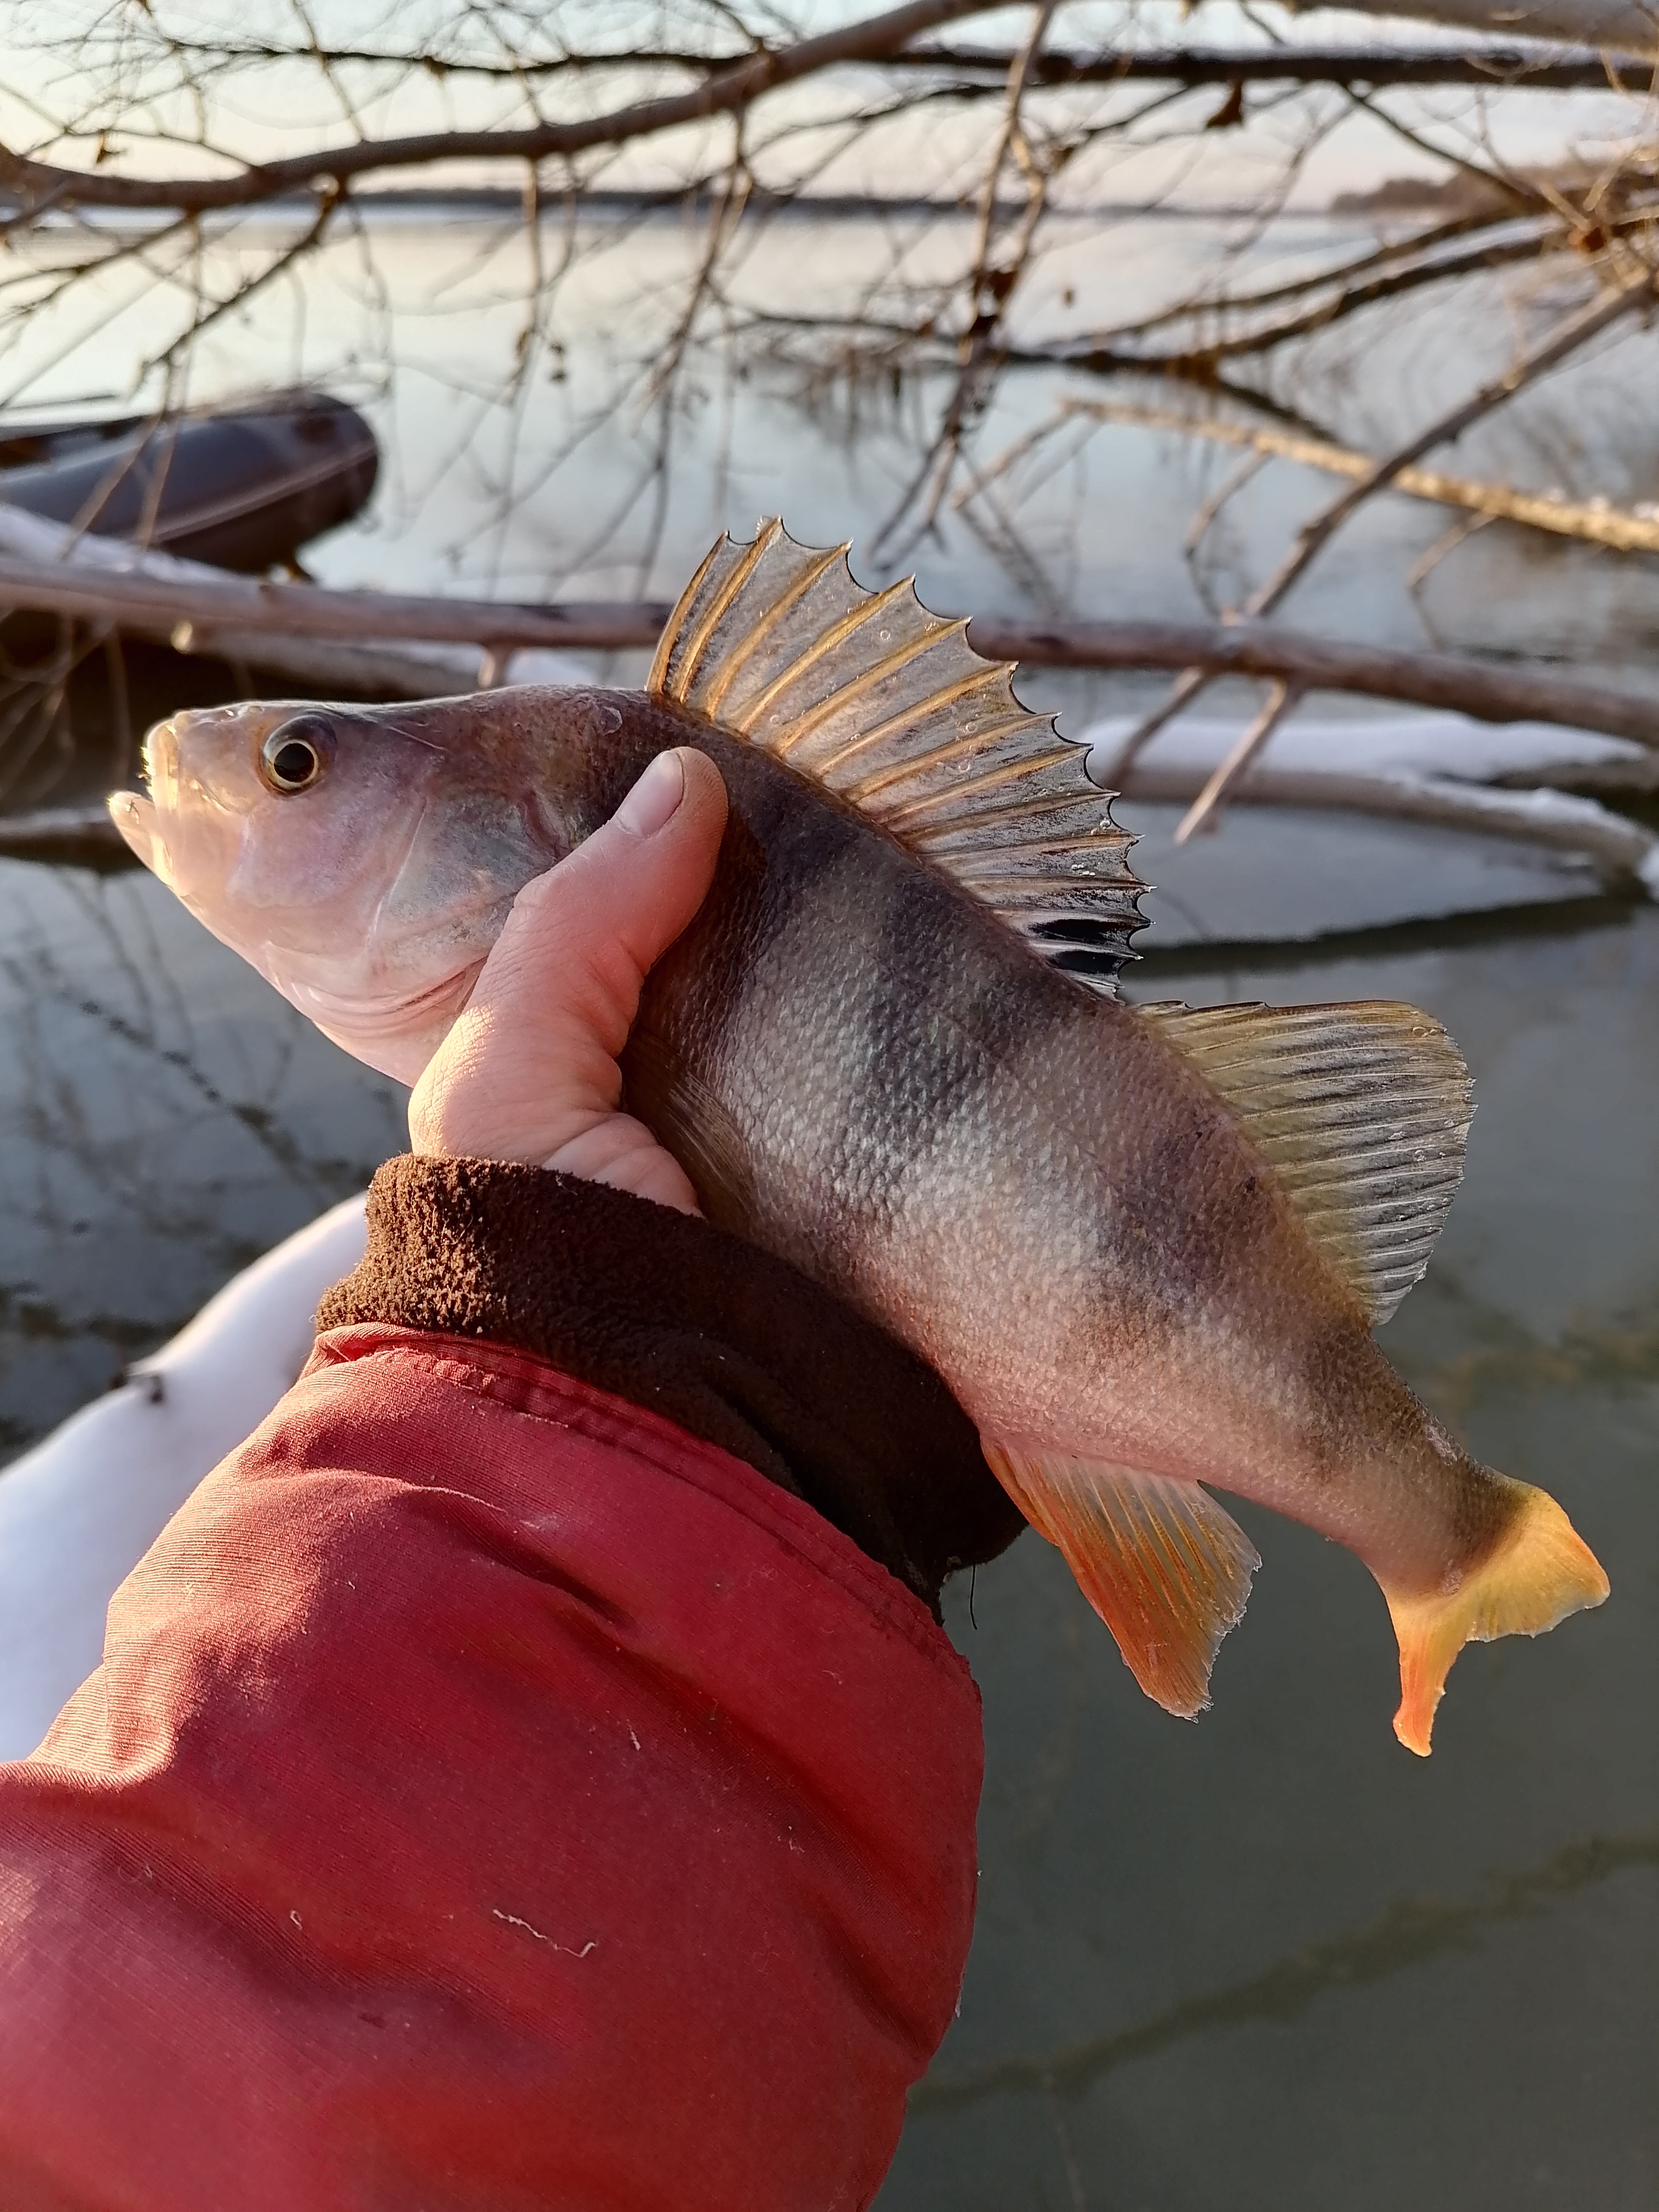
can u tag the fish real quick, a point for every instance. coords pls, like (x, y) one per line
(1146, 1245)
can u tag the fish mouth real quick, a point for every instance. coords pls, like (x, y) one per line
(136, 814)
(136, 818)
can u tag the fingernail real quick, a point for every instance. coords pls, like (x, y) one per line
(654, 798)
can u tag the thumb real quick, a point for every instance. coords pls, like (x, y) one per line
(529, 1071)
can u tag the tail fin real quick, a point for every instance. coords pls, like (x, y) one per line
(1541, 1572)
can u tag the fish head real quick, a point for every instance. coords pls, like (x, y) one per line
(364, 859)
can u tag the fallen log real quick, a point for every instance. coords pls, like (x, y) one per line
(1468, 687)
(200, 610)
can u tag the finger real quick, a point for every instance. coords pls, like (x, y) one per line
(530, 1065)
(597, 923)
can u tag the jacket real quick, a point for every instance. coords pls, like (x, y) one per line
(530, 1771)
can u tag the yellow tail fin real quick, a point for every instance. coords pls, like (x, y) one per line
(1541, 1572)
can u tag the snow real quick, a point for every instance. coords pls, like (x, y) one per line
(79, 1511)
(1400, 746)
(1424, 757)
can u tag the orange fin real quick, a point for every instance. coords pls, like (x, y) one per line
(1167, 1570)
(1542, 1571)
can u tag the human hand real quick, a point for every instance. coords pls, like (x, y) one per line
(529, 1070)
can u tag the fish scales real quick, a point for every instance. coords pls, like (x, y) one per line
(1145, 1247)
(942, 1051)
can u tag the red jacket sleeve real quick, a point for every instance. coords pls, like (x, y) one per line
(492, 1796)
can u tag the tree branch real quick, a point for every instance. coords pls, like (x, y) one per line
(724, 92)
(199, 608)
(1541, 68)
(1623, 531)
(1464, 686)
(1568, 335)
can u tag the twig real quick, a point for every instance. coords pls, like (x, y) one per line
(1497, 237)
(1465, 527)
(1568, 337)
(1620, 528)
(723, 93)
(1283, 698)
(1384, 254)
(988, 291)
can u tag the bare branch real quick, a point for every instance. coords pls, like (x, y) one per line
(1569, 335)
(1622, 847)
(203, 610)
(1464, 686)
(1499, 244)
(724, 93)
(1618, 25)
(1539, 68)
(1593, 520)
(1283, 698)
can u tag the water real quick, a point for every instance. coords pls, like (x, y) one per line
(166, 1118)
(1268, 1960)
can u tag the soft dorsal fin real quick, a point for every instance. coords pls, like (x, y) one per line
(1163, 1566)
(891, 707)
(1360, 1110)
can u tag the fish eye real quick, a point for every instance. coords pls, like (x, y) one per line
(296, 753)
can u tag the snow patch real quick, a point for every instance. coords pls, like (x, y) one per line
(80, 1510)
(1395, 745)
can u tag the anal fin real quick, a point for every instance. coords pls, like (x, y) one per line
(1164, 1567)
(1540, 1572)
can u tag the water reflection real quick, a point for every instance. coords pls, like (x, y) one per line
(164, 1117)
(524, 452)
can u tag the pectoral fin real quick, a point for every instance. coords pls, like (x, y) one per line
(681, 1110)
(1540, 1572)
(1167, 1570)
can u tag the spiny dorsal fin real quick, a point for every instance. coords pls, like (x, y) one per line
(891, 707)
(1360, 1110)
(1164, 1567)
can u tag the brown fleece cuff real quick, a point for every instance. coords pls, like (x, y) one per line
(673, 1313)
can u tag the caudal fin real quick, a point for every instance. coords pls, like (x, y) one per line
(1541, 1572)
